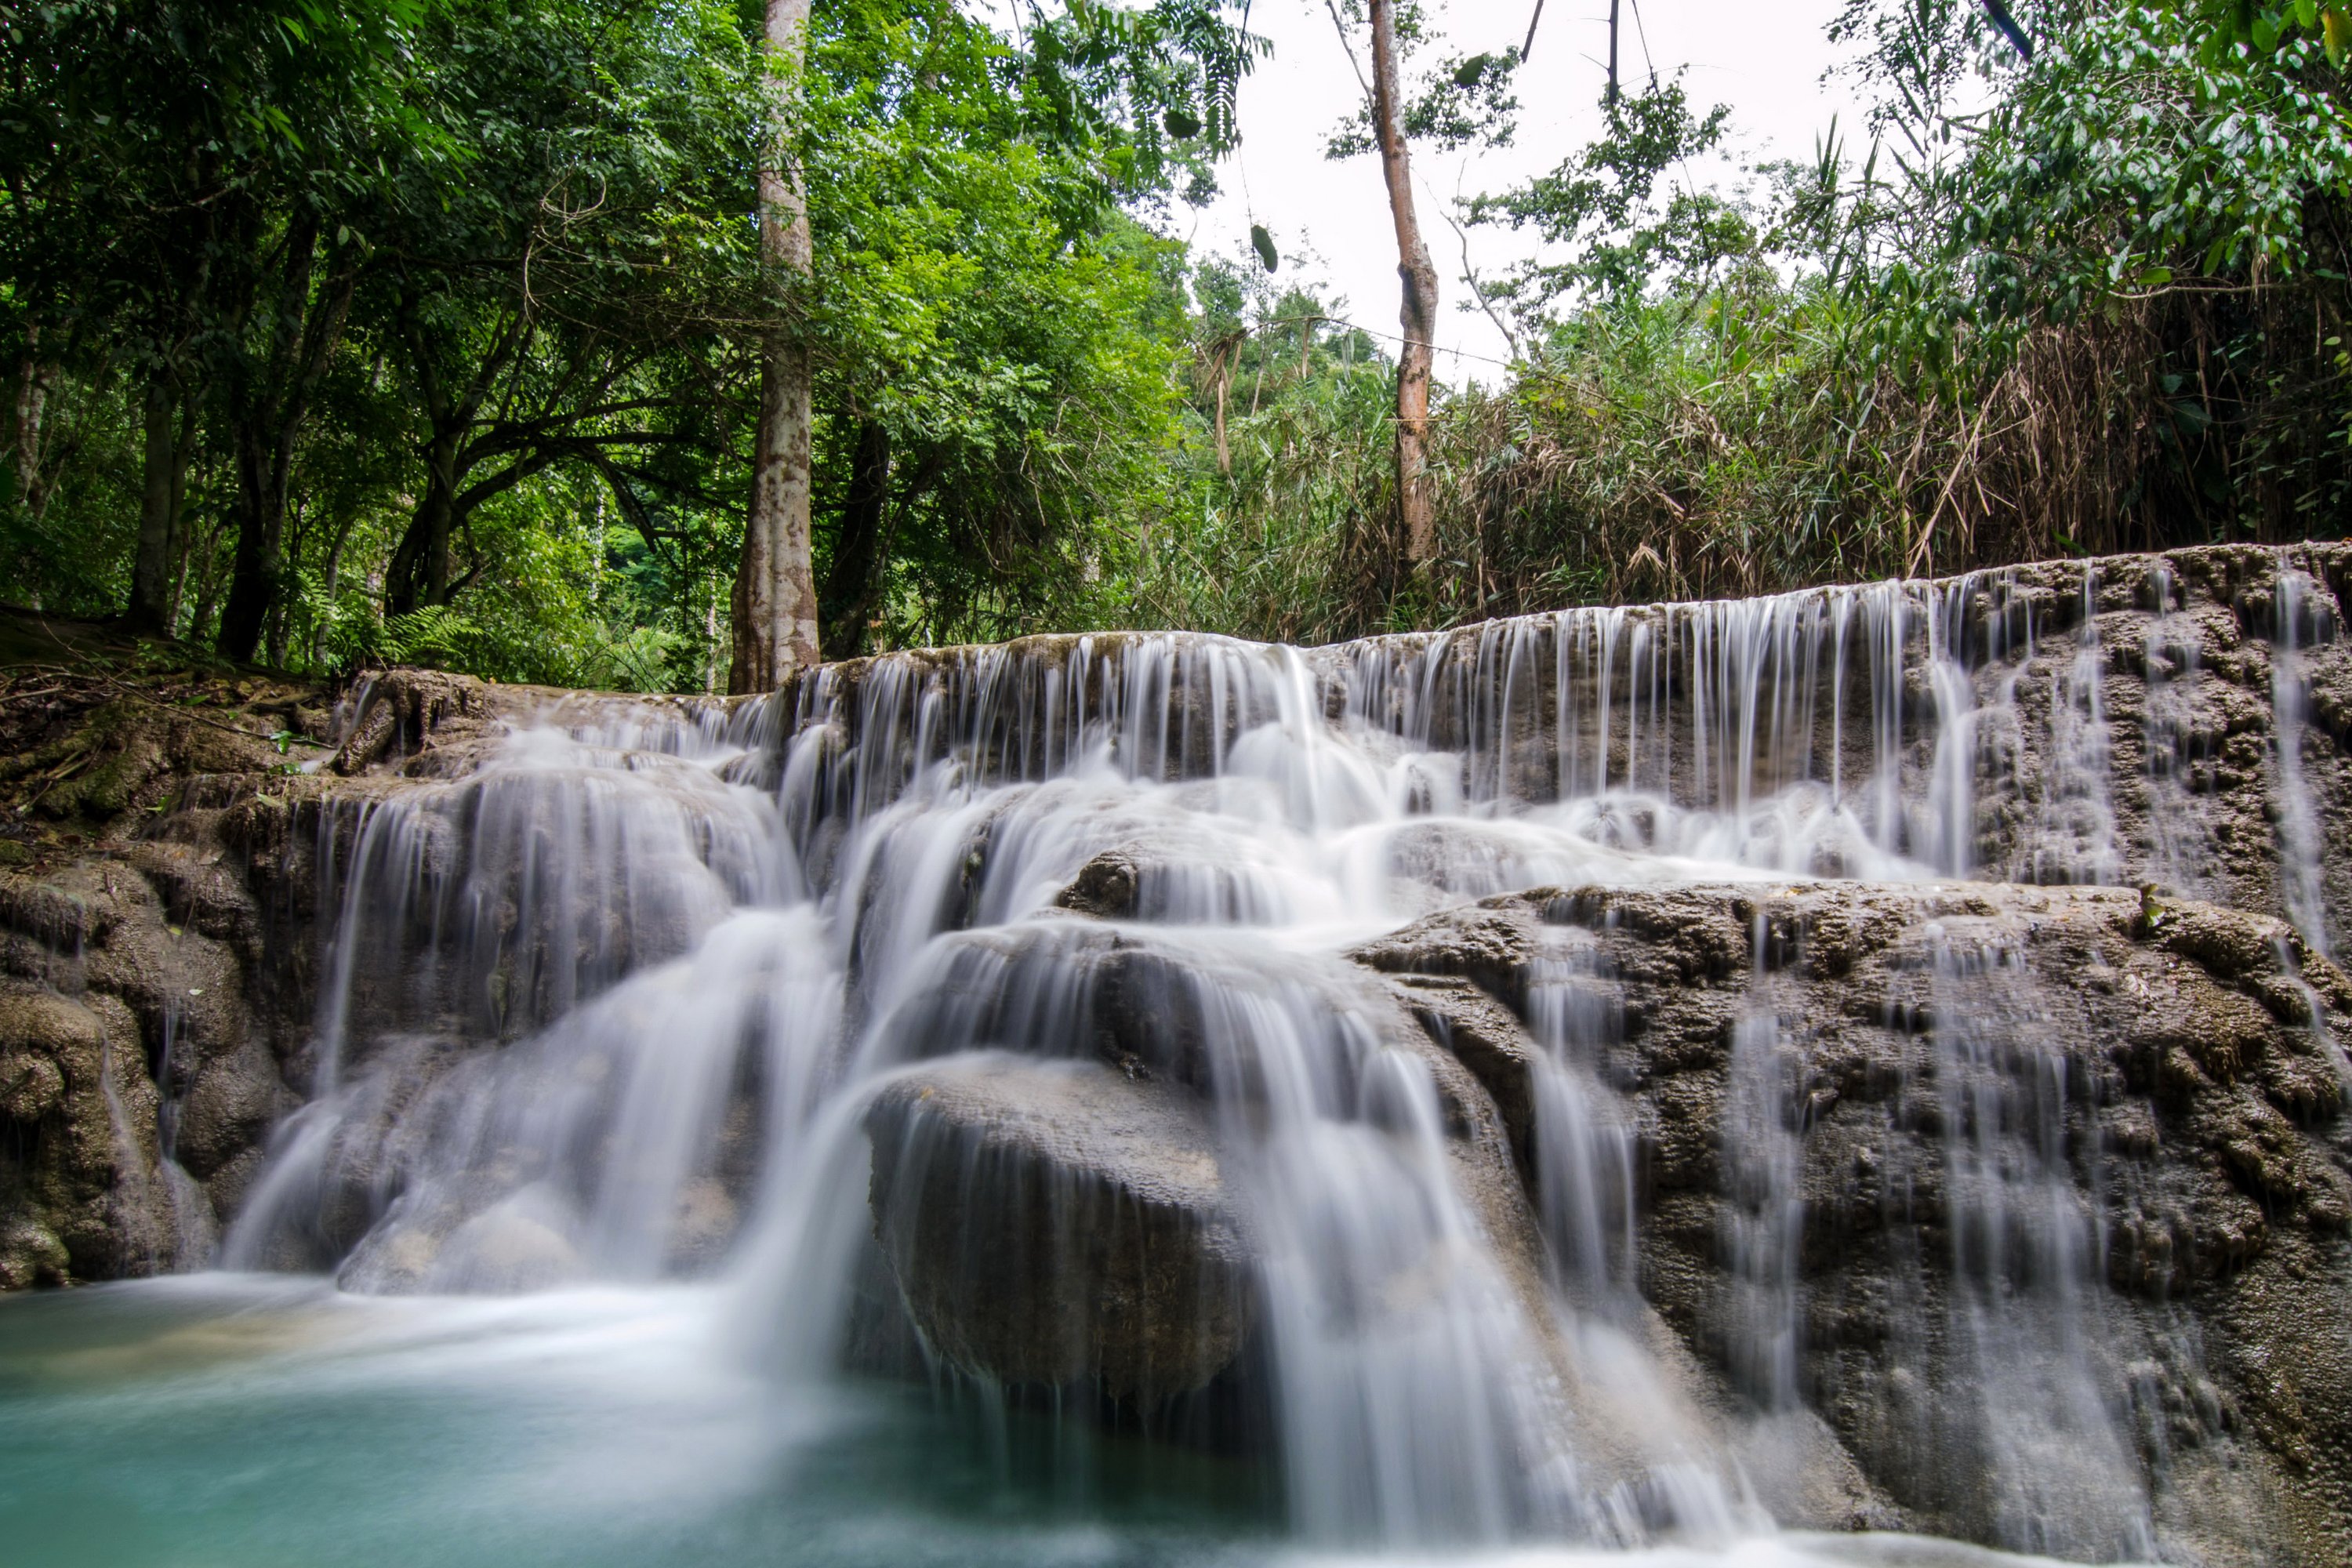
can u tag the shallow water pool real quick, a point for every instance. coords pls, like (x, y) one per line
(227, 1421)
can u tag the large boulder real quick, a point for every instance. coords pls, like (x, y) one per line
(1059, 1223)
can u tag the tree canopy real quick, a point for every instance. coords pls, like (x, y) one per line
(428, 329)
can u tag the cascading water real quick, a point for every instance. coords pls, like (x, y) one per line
(1766, 1214)
(2028, 1413)
(2303, 617)
(1584, 1145)
(2177, 749)
(912, 1007)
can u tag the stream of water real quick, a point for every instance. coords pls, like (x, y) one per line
(585, 1297)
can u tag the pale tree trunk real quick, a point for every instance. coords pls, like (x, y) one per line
(1225, 385)
(177, 587)
(775, 592)
(1419, 316)
(33, 381)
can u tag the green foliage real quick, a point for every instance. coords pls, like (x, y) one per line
(2105, 312)
(990, 331)
(566, 306)
(1284, 462)
(439, 311)
(1457, 101)
(2129, 157)
(1601, 205)
(1149, 92)
(456, 351)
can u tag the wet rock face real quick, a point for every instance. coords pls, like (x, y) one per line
(1060, 1222)
(137, 1088)
(2164, 726)
(61, 1143)
(2179, 719)
(159, 925)
(2001, 1110)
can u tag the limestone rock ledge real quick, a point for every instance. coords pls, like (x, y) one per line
(1945, 1074)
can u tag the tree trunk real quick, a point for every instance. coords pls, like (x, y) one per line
(420, 570)
(265, 413)
(260, 512)
(158, 513)
(1419, 315)
(31, 401)
(181, 534)
(851, 587)
(273, 641)
(775, 607)
(1225, 385)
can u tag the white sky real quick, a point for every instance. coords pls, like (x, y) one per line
(1765, 58)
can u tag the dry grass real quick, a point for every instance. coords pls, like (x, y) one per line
(1657, 458)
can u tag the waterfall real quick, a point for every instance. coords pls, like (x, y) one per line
(2036, 1421)
(2303, 617)
(951, 983)
(1765, 1218)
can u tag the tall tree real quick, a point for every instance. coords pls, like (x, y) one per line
(171, 167)
(1467, 99)
(1418, 314)
(971, 141)
(150, 566)
(775, 588)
